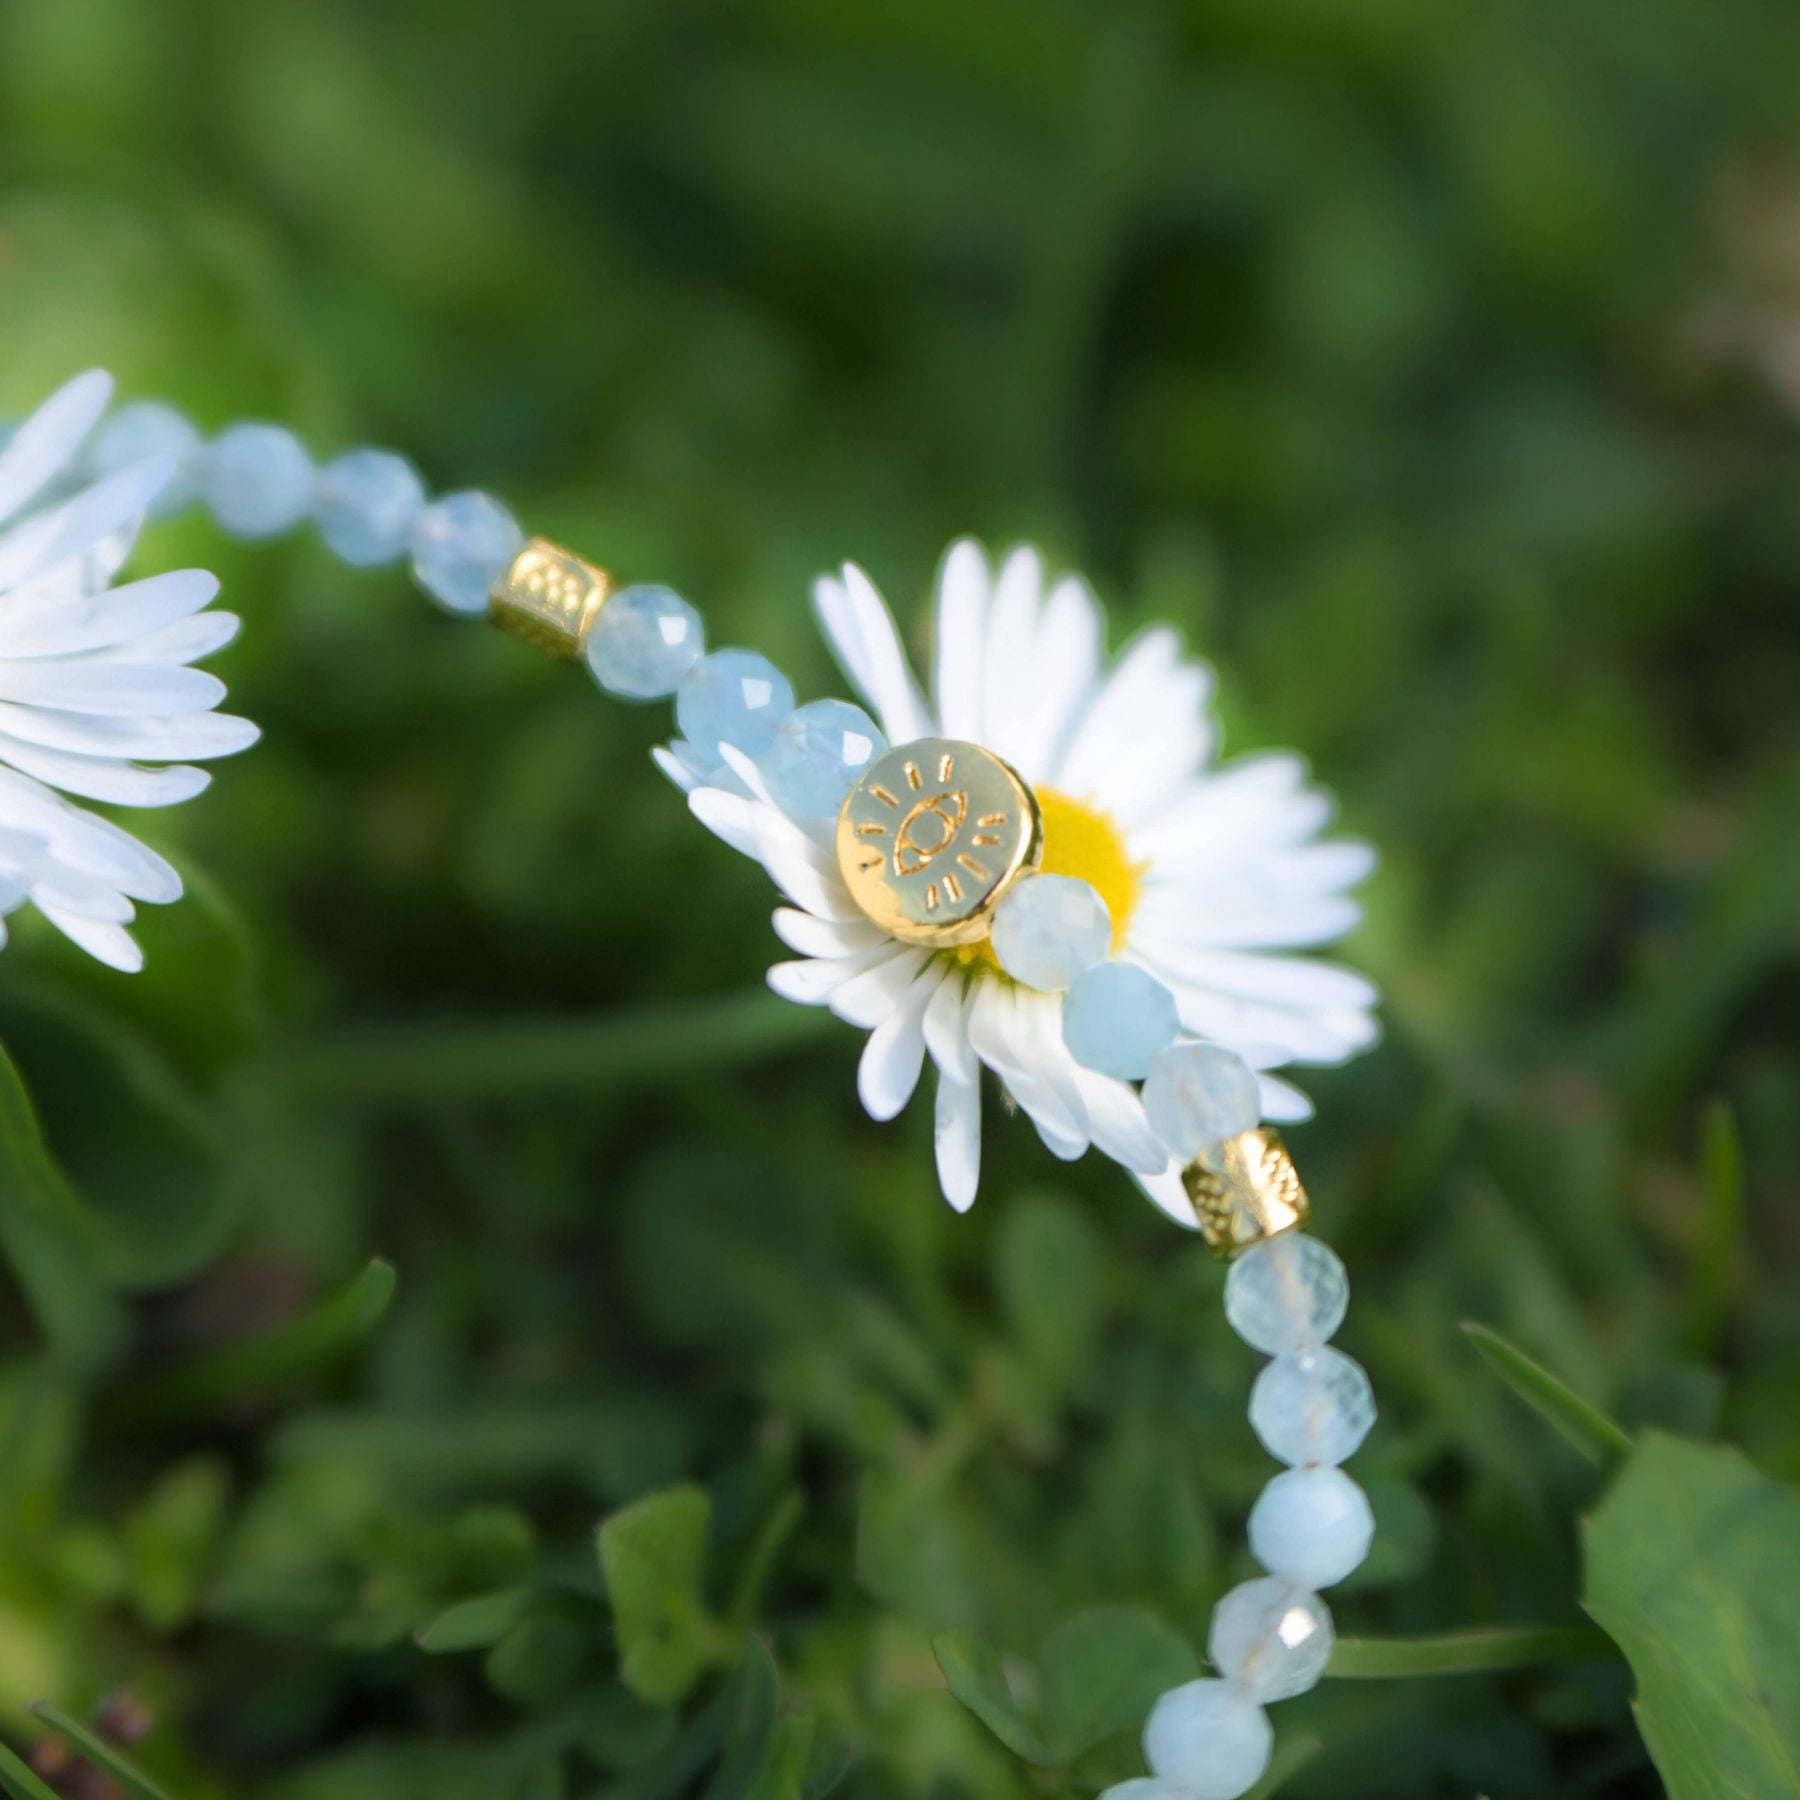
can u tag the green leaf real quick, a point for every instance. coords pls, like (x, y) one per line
(1585, 1426)
(293, 1349)
(748, 1738)
(47, 1236)
(1465, 1652)
(536, 1661)
(100, 1753)
(653, 1555)
(1103, 1670)
(1693, 1562)
(477, 1622)
(973, 1669)
(1718, 1243)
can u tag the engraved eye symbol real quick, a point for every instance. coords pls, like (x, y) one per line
(929, 830)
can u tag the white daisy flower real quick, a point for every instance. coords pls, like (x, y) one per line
(96, 690)
(1209, 872)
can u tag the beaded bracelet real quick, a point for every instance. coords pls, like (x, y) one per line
(1037, 873)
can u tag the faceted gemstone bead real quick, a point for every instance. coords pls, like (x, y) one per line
(1312, 1526)
(732, 697)
(820, 751)
(1116, 1017)
(1144, 1787)
(1209, 1738)
(461, 545)
(1289, 1292)
(1049, 930)
(1312, 1406)
(257, 480)
(1198, 1095)
(644, 640)
(366, 503)
(145, 428)
(1272, 1636)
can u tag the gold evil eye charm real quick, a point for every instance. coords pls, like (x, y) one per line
(1245, 1190)
(933, 835)
(550, 597)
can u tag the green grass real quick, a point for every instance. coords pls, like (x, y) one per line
(445, 1185)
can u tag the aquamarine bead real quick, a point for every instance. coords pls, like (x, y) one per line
(1273, 1636)
(1198, 1095)
(1049, 930)
(645, 639)
(1116, 1017)
(142, 429)
(256, 479)
(1144, 1787)
(365, 504)
(820, 751)
(1312, 1406)
(1312, 1526)
(461, 545)
(732, 697)
(1287, 1293)
(1209, 1738)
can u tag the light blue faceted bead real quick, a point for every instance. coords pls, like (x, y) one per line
(1198, 1095)
(1116, 1017)
(732, 697)
(645, 639)
(365, 504)
(461, 545)
(1209, 1738)
(142, 429)
(819, 753)
(1287, 1293)
(257, 480)
(1312, 1526)
(1273, 1636)
(1144, 1787)
(1049, 930)
(1312, 1406)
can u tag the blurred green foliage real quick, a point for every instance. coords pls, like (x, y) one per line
(1432, 365)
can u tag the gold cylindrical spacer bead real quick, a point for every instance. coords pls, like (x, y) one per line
(1245, 1190)
(550, 597)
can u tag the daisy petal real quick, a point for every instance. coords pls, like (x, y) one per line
(1168, 1193)
(41, 448)
(957, 1139)
(867, 998)
(824, 937)
(114, 690)
(105, 778)
(867, 646)
(959, 631)
(1283, 1103)
(36, 626)
(894, 1056)
(107, 943)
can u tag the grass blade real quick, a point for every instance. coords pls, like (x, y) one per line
(99, 1752)
(19, 1782)
(1585, 1426)
(1466, 1652)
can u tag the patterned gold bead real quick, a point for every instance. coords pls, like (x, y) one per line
(550, 597)
(932, 837)
(1245, 1190)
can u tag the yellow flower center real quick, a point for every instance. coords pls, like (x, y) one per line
(1085, 843)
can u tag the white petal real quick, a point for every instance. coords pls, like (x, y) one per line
(1066, 663)
(947, 1031)
(677, 771)
(110, 944)
(958, 1140)
(800, 931)
(1006, 1043)
(77, 527)
(1290, 981)
(42, 447)
(114, 690)
(797, 866)
(1257, 803)
(862, 634)
(726, 816)
(1283, 1103)
(867, 998)
(894, 1056)
(82, 896)
(1233, 921)
(186, 641)
(34, 626)
(103, 778)
(94, 846)
(1117, 1124)
(959, 636)
(193, 735)
(1168, 1193)
(1009, 675)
